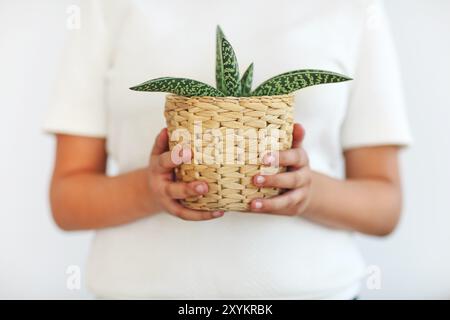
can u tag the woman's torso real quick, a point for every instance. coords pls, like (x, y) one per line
(242, 254)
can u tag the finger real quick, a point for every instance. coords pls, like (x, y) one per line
(161, 143)
(297, 135)
(192, 215)
(171, 159)
(286, 180)
(295, 158)
(282, 202)
(297, 139)
(182, 190)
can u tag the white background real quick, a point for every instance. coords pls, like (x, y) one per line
(34, 254)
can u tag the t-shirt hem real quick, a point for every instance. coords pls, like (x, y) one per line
(349, 293)
(401, 143)
(73, 131)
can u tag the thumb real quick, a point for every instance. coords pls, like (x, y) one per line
(298, 135)
(161, 143)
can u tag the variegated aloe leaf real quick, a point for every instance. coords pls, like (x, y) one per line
(230, 70)
(220, 82)
(246, 81)
(179, 86)
(295, 80)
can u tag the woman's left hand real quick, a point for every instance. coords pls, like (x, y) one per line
(296, 180)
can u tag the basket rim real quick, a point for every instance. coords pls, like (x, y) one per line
(281, 96)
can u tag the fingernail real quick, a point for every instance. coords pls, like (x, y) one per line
(268, 159)
(200, 188)
(217, 214)
(257, 204)
(260, 179)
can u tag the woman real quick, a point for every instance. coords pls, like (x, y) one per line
(343, 178)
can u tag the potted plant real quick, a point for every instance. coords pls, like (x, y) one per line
(230, 127)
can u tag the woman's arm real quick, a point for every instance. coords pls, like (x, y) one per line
(83, 197)
(368, 201)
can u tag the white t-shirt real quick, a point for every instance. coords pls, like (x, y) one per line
(242, 255)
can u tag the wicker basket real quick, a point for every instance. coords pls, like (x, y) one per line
(210, 126)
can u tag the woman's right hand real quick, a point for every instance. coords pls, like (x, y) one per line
(166, 191)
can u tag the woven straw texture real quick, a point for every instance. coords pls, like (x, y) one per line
(228, 137)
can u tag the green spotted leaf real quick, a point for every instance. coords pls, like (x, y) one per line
(230, 70)
(246, 81)
(295, 80)
(229, 84)
(179, 86)
(220, 82)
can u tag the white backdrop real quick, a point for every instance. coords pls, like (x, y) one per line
(34, 255)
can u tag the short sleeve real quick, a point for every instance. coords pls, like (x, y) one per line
(77, 104)
(376, 112)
